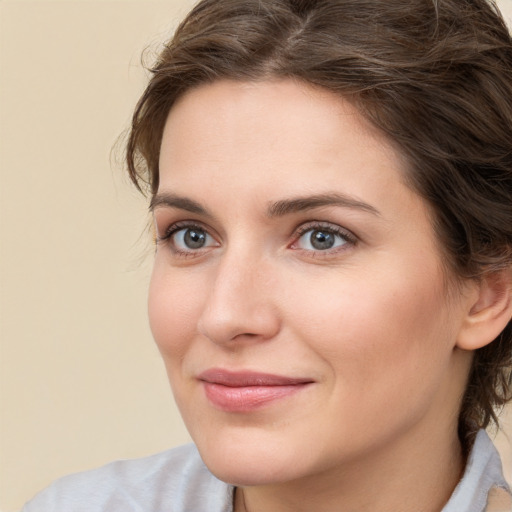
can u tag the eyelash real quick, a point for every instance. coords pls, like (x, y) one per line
(349, 238)
(166, 238)
(173, 228)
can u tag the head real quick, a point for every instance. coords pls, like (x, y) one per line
(432, 77)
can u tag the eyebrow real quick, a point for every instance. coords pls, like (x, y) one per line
(275, 209)
(297, 204)
(179, 202)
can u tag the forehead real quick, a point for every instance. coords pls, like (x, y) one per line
(285, 127)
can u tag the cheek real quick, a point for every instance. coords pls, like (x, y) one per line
(378, 332)
(173, 312)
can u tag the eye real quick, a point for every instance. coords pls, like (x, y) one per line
(191, 238)
(322, 238)
(186, 238)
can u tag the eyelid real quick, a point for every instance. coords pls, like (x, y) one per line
(346, 234)
(175, 227)
(328, 226)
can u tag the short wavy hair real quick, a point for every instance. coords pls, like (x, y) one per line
(434, 75)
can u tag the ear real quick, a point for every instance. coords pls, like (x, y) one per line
(490, 310)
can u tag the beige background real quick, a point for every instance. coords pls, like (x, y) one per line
(81, 382)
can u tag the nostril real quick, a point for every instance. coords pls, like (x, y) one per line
(259, 326)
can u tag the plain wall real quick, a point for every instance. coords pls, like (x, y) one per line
(81, 381)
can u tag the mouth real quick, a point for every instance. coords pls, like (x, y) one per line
(246, 391)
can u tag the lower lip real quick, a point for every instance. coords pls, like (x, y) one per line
(247, 398)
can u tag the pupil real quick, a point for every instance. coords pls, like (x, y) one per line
(322, 240)
(194, 239)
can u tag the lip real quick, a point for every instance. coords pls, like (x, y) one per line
(245, 391)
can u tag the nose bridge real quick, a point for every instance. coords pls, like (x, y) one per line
(240, 303)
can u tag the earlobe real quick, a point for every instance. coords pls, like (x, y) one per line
(489, 313)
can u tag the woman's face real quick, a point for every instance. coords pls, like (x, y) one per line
(298, 297)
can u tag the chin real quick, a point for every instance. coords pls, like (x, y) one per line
(251, 462)
(244, 472)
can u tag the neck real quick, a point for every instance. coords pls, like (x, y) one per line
(418, 472)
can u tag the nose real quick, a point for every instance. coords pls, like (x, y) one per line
(240, 305)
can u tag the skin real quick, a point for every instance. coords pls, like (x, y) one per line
(370, 321)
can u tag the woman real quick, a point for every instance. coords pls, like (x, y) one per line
(331, 187)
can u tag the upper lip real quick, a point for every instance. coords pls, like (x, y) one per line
(248, 378)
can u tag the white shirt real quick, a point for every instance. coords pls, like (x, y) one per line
(178, 481)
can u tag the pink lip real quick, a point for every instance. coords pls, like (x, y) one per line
(246, 391)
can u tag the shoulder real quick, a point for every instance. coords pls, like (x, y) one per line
(482, 481)
(175, 480)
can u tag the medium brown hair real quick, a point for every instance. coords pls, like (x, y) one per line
(434, 75)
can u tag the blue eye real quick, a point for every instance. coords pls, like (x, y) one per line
(191, 238)
(321, 239)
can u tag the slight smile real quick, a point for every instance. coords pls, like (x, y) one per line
(246, 390)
